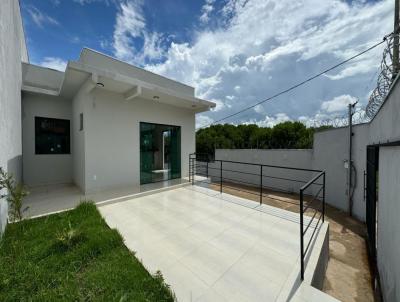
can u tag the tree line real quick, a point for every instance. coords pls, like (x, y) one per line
(287, 135)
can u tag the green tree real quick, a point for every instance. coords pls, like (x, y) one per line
(288, 135)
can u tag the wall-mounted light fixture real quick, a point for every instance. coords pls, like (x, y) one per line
(98, 84)
(156, 97)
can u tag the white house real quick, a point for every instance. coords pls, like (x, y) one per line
(104, 123)
(100, 124)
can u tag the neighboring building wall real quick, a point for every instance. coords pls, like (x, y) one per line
(44, 169)
(388, 245)
(279, 157)
(12, 52)
(112, 132)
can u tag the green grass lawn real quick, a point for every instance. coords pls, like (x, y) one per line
(72, 256)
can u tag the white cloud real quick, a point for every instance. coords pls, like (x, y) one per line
(40, 18)
(261, 47)
(206, 10)
(259, 109)
(130, 25)
(53, 63)
(271, 121)
(203, 120)
(339, 103)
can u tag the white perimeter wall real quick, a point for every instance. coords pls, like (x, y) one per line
(112, 136)
(44, 169)
(388, 246)
(281, 157)
(329, 154)
(12, 52)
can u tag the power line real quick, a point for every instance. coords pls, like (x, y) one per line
(300, 83)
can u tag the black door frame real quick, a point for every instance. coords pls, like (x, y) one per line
(140, 153)
(372, 167)
(371, 198)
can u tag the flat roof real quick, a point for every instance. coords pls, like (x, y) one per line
(115, 76)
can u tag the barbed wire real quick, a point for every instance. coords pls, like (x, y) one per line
(359, 117)
(384, 82)
(385, 79)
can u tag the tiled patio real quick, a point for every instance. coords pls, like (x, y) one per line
(211, 246)
(44, 200)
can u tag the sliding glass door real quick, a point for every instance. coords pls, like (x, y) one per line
(160, 152)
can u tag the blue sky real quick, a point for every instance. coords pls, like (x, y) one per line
(235, 52)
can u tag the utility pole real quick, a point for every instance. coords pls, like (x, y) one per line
(350, 160)
(396, 30)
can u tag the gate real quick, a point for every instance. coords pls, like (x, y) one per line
(372, 182)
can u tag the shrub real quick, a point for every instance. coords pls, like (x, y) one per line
(15, 195)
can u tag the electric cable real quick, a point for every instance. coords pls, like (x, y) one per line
(300, 83)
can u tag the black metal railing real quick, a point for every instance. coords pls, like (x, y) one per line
(262, 177)
(318, 196)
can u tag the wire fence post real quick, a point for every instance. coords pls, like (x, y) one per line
(220, 178)
(261, 184)
(301, 237)
(207, 169)
(323, 198)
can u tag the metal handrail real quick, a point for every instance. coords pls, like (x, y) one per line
(303, 252)
(314, 181)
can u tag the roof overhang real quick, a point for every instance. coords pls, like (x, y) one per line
(42, 80)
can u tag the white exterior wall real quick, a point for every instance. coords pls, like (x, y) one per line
(279, 157)
(78, 139)
(44, 169)
(388, 245)
(12, 52)
(112, 137)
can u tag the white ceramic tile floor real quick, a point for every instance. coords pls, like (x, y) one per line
(209, 247)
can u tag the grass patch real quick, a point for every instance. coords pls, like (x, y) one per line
(73, 256)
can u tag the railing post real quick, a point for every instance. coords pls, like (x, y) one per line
(323, 198)
(261, 184)
(193, 172)
(190, 168)
(301, 237)
(207, 169)
(220, 178)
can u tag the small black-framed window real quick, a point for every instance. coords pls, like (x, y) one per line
(81, 122)
(52, 136)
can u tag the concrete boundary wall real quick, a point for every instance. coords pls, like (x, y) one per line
(273, 177)
(329, 154)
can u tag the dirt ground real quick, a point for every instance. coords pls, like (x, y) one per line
(348, 275)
